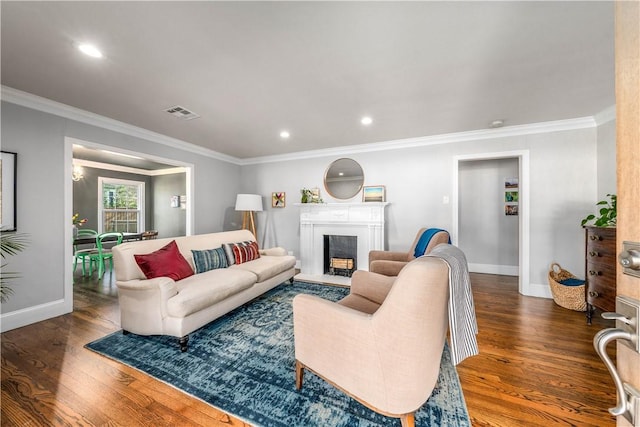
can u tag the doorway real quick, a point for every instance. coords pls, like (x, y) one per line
(164, 166)
(522, 158)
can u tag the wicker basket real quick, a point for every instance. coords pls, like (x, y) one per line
(571, 297)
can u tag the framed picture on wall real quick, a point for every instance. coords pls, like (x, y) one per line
(373, 193)
(278, 200)
(511, 196)
(8, 190)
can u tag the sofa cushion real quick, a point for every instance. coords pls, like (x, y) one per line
(267, 267)
(205, 289)
(165, 262)
(240, 252)
(209, 259)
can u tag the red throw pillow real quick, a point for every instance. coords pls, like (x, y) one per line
(165, 262)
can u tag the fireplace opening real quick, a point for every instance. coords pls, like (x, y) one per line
(340, 255)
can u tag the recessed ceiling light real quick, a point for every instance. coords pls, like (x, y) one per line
(91, 50)
(284, 134)
(366, 120)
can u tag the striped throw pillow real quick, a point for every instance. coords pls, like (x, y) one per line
(238, 253)
(209, 259)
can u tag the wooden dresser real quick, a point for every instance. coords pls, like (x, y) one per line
(600, 270)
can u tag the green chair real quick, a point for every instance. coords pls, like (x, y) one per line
(102, 253)
(81, 252)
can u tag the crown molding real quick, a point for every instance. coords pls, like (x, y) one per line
(42, 104)
(45, 105)
(474, 135)
(128, 169)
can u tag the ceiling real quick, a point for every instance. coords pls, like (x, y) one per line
(253, 69)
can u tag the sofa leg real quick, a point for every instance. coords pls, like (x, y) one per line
(299, 375)
(291, 280)
(183, 343)
(125, 332)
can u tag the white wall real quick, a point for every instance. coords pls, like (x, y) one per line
(488, 237)
(563, 186)
(607, 160)
(39, 139)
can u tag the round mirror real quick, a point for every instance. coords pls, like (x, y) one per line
(343, 179)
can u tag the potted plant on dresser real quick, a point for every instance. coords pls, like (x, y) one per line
(600, 254)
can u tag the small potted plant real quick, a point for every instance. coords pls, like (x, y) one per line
(608, 213)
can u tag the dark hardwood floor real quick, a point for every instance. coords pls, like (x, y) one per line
(537, 367)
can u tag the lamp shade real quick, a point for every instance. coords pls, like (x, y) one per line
(249, 202)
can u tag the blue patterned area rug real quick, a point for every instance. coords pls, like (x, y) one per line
(243, 363)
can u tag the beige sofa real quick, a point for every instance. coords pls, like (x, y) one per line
(162, 306)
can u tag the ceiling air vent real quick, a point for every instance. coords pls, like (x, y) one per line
(181, 113)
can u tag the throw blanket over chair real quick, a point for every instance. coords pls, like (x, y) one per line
(390, 263)
(382, 344)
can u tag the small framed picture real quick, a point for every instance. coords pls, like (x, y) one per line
(8, 193)
(511, 210)
(278, 200)
(373, 193)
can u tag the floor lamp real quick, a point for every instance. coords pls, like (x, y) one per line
(248, 204)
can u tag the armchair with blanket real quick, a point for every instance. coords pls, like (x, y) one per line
(390, 263)
(382, 343)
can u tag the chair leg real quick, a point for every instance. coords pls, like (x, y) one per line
(100, 268)
(299, 375)
(408, 420)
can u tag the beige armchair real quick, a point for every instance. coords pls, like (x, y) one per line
(382, 343)
(390, 263)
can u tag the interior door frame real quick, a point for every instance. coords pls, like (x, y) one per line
(68, 199)
(524, 280)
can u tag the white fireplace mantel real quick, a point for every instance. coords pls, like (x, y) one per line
(362, 220)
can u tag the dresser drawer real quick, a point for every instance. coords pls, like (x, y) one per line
(601, 293)
(600, 248)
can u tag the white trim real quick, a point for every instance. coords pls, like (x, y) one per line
(605, 116)
(140, 185)
(37, 313)
(42, 104)
(524, 286)
(503, 270)
(67, 248)
(128, 169)
(38, 103)
(450, 138)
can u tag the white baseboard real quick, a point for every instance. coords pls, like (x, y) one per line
(503, 270)
(38, 313)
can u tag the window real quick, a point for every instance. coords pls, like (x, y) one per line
(120, 205)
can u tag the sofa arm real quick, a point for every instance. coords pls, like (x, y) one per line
(372, 286)
(388, 255)
(387, 268)
(274, 251)
(143, 304)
